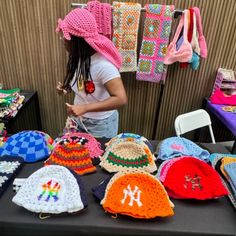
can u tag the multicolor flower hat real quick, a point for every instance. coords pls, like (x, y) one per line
(137, 194)
(130, 137)
(86, 139)
(9, 167)
(74, 156)
(32, 146)
(128, 156)
(178, 146)
(190, 178)
(52, 190)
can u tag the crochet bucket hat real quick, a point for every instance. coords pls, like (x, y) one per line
(52, 190)
(131, 137)
(81, 23)
(32, 146)
(128, 156)
(191, 178)
(86, 139)
(137, 194)
(74, 156)
(178, 146)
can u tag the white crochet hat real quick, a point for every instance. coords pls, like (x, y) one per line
(53, 190)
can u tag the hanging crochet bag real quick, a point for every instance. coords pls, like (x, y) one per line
(185, 52)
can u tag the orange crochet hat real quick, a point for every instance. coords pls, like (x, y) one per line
(128, 155)
(74, 156)
(137, 194)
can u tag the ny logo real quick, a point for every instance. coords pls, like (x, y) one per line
(194, 182)
(50, 191)
(128, 192)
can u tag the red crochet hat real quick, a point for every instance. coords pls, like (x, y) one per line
(74, 156)
(191, 178)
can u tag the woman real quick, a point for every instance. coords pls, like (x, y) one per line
(93, 75)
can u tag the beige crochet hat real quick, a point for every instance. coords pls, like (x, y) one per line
(128, 156)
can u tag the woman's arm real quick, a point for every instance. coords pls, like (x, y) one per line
(117, 99)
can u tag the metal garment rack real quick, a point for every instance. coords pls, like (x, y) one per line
(176, 14)
(82, 5)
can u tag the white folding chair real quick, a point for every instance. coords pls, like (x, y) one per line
(193, 120)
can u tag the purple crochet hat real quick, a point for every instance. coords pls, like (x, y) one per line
(81, 23)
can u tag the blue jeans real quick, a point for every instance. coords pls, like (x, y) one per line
(105, 128)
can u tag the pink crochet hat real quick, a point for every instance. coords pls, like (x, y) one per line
(81, 23)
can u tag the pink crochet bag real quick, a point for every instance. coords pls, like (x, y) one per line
(185, 52)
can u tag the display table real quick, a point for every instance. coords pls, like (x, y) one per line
(216, 217)
(30, 97)
(228, 119)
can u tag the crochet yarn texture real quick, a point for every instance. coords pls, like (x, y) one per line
(128, 155)
(86, 139)
(191, 178)
(81, 23)
(125, 26)
(9, 167)
(74, 156)
(32, 146)
(157, 27)
(137, 194)
(53, 190)
(130, 137)
(102, 13)
(177, 146)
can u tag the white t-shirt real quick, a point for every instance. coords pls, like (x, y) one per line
(101, 71)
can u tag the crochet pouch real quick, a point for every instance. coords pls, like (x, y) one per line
(185, 52)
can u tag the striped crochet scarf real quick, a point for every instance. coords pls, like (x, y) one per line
(125, 31)
(157, 27)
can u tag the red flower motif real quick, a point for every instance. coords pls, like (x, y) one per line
(89, 87)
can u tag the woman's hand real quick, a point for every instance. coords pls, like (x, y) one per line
(76, 110)
(60, 89)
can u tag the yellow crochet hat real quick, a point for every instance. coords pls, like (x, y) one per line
(137, 194)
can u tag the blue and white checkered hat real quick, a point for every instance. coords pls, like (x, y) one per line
(32, 146)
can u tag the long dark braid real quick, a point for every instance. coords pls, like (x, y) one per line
(79, 61)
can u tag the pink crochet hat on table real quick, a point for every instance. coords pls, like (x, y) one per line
(81, 23)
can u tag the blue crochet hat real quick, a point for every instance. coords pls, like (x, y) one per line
(230, 169)
(9, 167)
(32, 146)
(178, 146)
(214, 157)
